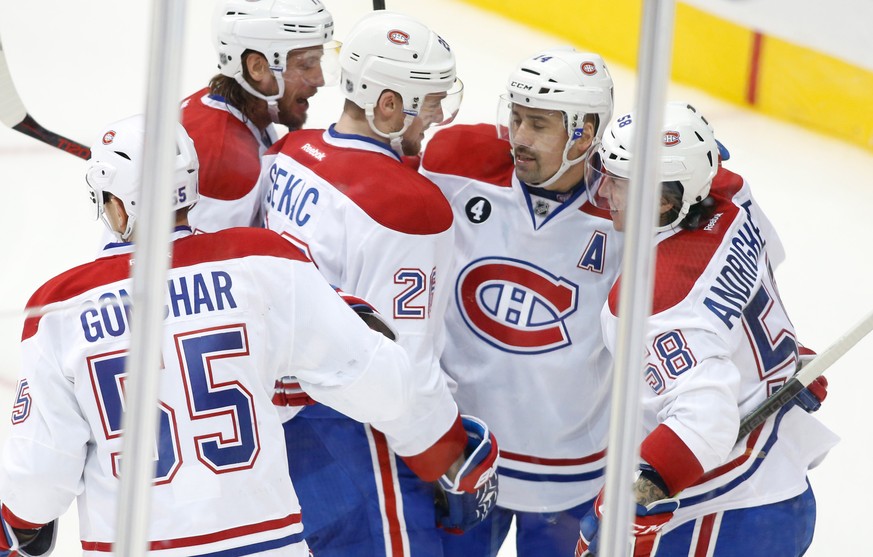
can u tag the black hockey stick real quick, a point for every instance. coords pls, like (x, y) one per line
(14, 115)
(378, 4)
(805, 376)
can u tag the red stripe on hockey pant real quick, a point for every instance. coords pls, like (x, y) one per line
(704, 536)
(386, 474)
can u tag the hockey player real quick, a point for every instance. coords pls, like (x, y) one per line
(719, 342)
(243, 307)
(273, 56)
(375, 228)
(534, 262)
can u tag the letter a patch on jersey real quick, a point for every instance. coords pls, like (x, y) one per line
(595, 253)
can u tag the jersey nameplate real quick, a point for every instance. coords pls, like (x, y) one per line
(186, 295)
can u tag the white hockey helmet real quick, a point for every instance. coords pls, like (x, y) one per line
(115, 167)
(578, 84)
(392, 51)
(272, 27)
(690, 155)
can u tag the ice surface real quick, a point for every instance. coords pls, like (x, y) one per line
(86, 66)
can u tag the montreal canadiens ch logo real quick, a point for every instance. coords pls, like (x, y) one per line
(588, 68)
(108, 137)
(397, 36)
(671, 138)
(515, 306)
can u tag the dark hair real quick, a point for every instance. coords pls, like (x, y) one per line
(698, 214)
(233, 92)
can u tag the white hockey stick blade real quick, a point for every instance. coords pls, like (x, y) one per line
(12, 111)
(805, 376)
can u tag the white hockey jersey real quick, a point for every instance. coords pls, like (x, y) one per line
(229, 147)
(376, 229)
(523, 333)
(718, 343)
(243, 308)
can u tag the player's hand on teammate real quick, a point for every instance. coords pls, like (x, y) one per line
(289, 394)
(647, 525)
(25, 542)
(465, 501)
(369, 315)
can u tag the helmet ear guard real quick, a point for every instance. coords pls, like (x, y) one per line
(115, 167)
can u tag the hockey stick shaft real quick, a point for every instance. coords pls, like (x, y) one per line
(14, 115)
(805, 376)
(378, 4)
(31, 127)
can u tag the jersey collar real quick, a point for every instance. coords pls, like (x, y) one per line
(355, 141)
(566, 199)
(117, 248)
(265, 138)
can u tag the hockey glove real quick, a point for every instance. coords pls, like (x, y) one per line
(813, 395)
(25, 539)
(465, 502)
(369, 315)
(288, 392)
(646, 527)
(589, 529)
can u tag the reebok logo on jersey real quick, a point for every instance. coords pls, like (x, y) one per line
(313, 151)
(712, 222)
(515, 306)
